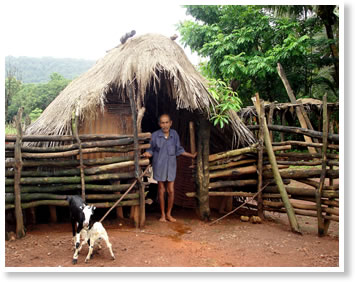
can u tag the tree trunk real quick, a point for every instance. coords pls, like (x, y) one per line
(202, 172)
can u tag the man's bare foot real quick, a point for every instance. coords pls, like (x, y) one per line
(170, 218)
(162, 219)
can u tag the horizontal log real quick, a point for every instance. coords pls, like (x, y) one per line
(64, 203)
(104, 168)
(104, 143)
(302, 173)
(331, 217)
(298, 130)
(232, 153)
(301, 206)
(70, 187)
(306, 155)
(324, 201)
(239, 171)
(298, 212)
(82, 137)
(71, 179)
(305, 144)
(26, 197)
(315, 184)
(76, 171)
(71, 153)
(232, 183)
(304, 192)
(231, 164)
(65, 163)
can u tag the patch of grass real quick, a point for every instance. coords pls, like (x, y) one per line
(9, 129)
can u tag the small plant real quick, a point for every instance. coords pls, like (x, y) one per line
(227, 100)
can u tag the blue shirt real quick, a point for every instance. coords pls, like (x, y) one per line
(164, 151)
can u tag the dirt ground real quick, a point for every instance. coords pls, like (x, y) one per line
(187, 243)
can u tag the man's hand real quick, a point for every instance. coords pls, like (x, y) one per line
(194, 155)
(146, 155)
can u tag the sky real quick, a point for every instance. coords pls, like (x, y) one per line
(83, 29)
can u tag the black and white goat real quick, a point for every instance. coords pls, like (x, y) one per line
(80, 215)
(91, 236)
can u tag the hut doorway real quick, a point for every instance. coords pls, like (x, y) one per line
(157, 104)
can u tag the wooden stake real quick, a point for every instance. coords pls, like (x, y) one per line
(300, 114)
(260, 160)
(20, 230)
(290, 212)
(76, 135)
(321, 223)
(136, 156)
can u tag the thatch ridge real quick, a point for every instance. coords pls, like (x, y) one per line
(142, 61)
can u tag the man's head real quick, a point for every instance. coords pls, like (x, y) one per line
(165, 122)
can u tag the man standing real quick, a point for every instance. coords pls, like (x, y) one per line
(164, 148)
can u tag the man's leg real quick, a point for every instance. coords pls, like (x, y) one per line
(170, 189)
(161, 192)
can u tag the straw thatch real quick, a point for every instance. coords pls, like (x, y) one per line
(143, 62)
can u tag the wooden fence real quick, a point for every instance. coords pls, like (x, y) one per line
(38, 176)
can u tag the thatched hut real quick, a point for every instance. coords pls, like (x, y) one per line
(160, 77)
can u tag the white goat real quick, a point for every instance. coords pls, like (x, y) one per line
(92, 236)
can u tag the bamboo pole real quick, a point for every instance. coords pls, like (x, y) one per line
(260, 158)
(301, 113)
(290, 212)
(20, 230)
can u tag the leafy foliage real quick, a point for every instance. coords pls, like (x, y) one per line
(227, 100)
(242, 44)
(36, 96)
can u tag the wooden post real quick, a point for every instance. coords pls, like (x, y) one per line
(76, 135)
(260, 160)
(192, 137)
(202, 172)
(136, 157)
(301, 113)
(283, 123)
(321, 222)
(270, 120)
(290, 211)
(20, 230)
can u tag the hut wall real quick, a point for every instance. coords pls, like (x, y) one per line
(116, 119)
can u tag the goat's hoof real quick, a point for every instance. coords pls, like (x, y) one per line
(113, 258)
(86, 261)
(75, 261)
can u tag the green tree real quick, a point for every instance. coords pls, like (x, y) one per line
(37, 96)
(242, 45)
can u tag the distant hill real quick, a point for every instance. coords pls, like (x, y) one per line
(38, 70)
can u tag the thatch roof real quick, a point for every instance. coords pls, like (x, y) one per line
(144, 61)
